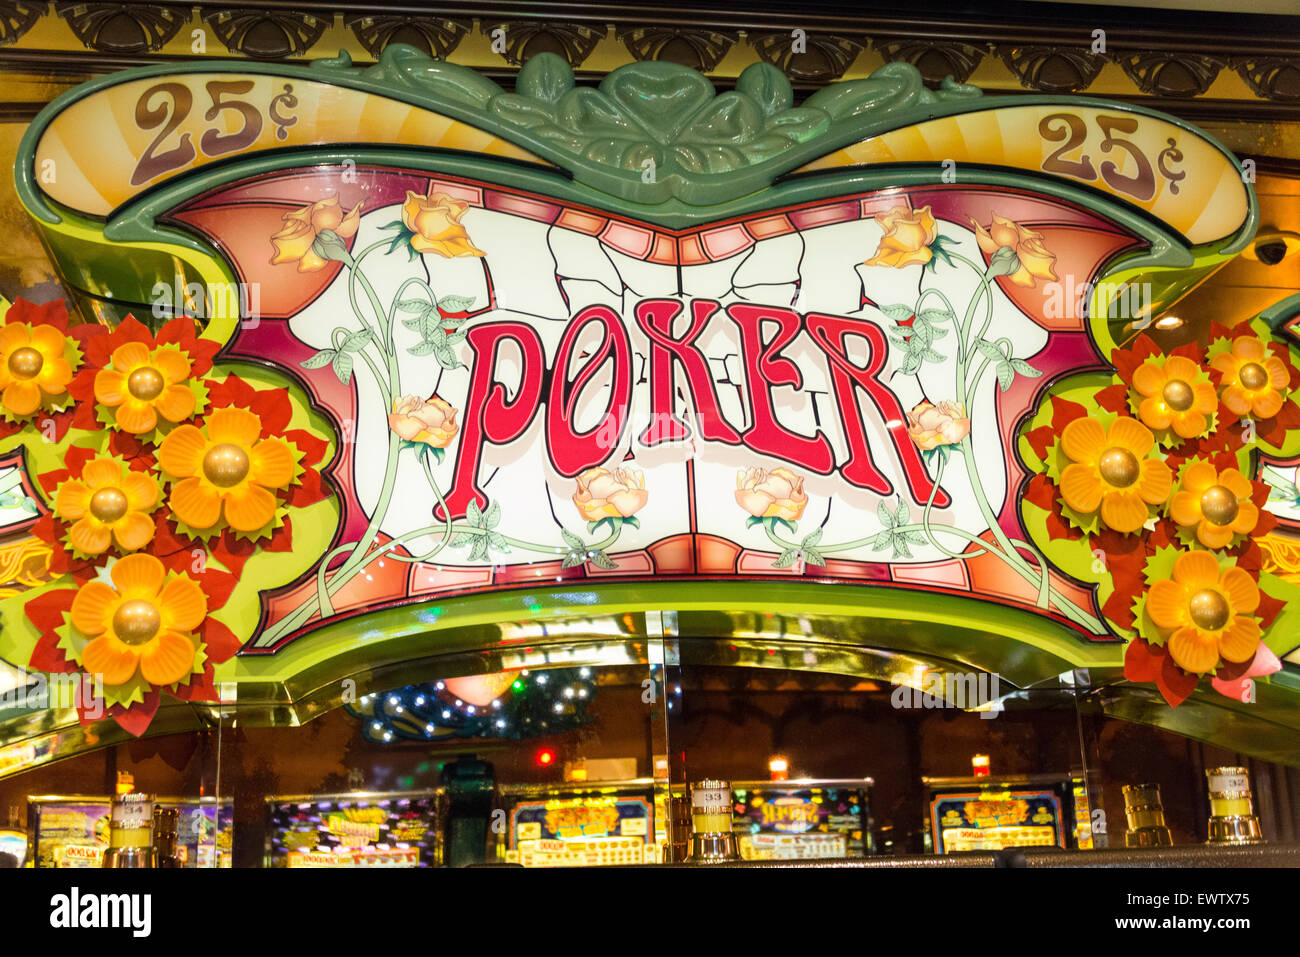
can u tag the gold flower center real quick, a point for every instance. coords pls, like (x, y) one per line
(1178, 395)
(1252, 375)
(108, 505)
(225, 465)
(25, 362)
(145, 383)
(1219, 505)
(1209, 609)
(1119, 467)
(136, 622)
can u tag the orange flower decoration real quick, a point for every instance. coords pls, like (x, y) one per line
(434, 223)
(293, 243)
(1254, 379)
(1217, 504)
(32, 367)
(228, 471)
(1208, 612)
(1172, 398)
(907, 239)
(1110, 469)
(144, 624)
(142, 386)
(1036, 261)
(108, 502)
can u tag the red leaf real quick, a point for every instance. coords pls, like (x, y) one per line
(1269, 608)
(311, 447)
(1114, 398)
(200, 687)
(136, 719)
(1142, 662)
(48, 656)
(309, 490)
(1174, 683)
(220, 642)
(52, 313)
(1064, 412)
(1119, 608)
(217, 585)
(1041, 439)
(45, 611)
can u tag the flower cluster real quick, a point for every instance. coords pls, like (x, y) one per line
(1155, 473)
(155, 461)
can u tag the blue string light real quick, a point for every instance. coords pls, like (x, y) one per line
(534, 704)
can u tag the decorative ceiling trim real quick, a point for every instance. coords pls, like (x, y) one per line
(436, 36)
(1177, 58)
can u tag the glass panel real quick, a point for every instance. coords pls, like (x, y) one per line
(549, 763)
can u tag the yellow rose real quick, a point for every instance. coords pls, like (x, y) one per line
(775, 494)
(1035, 261)
(435, 221)
(931, 426)
(605, 494)
(429, 421)
(294, 240)
(907, 239)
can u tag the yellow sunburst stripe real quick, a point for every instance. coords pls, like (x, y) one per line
(97, 144)
(1211, 201)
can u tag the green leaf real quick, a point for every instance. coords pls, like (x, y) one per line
(601, 560)
(812, 557)
(319, 360)
(930, 355)
(884, 514)
(573, 559)
(912, 364)
(633, 521)
(1006, 375)
(990, 350)
(903, 513)
(898, 313)
(937, 247)
(812, 538)
(752, 521)
(409, 305)
(882, 539)
(422, 348)
(498, 541)
(899, 334)
(786, 522)
(492, 516)
(900, 548)
(473, 514)
(1003, 262)
(455, 303)
(343, 367)
(357, 341)
(460, 539)
(1024, 368)
(480, 550)
(446, 358)
(786, 558)
(457, 336)
(916, 538)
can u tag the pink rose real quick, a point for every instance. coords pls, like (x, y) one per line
(605, 494)
(775, 494)
(429, 421)
(932, 426)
